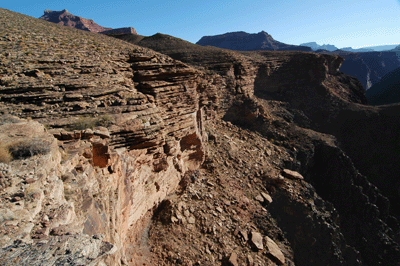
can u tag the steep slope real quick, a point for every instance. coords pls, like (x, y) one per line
(242, 41)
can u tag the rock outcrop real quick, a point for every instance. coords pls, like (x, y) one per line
(126, 30)
(65, 18)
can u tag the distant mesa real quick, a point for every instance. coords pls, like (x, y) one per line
(126, 30)
(315, 46)
(65, 18)
(243, 41)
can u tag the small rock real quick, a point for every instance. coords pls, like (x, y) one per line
(30, 180)
(102, 132)
(245, 200)
(191, 220)
(186, 213)
(209, 184)
(274, 250)
(87, 134)
(250, 260)
(266, 197)
(257, 240)
(36, 195)
(292, 174)
(259, 198)
(227, 202)
(244, 235)
(233, 260)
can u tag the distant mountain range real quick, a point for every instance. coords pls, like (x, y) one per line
(331, 48)
(379, 48)
(315, 46)
(243, 41)
(65, 18)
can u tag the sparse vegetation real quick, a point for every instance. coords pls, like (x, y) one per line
(28, 148)
(5, 156)
(85, 122)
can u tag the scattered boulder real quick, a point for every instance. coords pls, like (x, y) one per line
(257, 240)
(267, 198)
(292, 174)
(233, 260)
(274, 250)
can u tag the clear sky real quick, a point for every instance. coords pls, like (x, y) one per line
(339, 22)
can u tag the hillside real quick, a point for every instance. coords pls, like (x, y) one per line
(116, 154)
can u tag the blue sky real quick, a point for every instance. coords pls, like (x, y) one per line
(339, 22)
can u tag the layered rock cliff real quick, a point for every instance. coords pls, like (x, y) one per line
(118, 155)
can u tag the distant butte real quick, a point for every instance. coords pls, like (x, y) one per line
(243, 41)
(65, 18)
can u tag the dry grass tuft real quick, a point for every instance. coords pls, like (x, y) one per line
(28, 148)
(5, 155)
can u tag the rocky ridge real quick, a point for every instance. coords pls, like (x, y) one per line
(145, 167)
(243, 41)
(65, 18)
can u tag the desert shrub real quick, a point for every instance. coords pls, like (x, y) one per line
(85, 122)
(5, 155)
(104, 121)
(28, 148)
